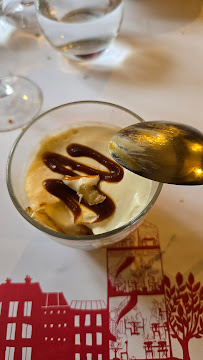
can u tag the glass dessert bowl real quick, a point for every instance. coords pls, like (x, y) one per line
(62, 179)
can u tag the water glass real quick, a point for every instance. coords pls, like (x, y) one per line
(80, 29)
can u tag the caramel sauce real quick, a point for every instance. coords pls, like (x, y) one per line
(65, 166)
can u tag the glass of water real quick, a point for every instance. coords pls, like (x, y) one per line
(80, 29)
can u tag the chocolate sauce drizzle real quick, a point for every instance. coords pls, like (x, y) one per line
(64, 165)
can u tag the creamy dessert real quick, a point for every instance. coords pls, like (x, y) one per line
(74, 187)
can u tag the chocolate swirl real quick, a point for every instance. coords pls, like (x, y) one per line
(65, 166)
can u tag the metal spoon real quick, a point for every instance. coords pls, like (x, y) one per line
(162, 151)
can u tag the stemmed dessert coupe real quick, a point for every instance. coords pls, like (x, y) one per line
(20, 98)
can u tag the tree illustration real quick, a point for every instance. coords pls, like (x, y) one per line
(184, 305)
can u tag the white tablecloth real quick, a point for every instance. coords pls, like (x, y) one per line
(155, 69)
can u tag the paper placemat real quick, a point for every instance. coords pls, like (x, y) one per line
(113, 303)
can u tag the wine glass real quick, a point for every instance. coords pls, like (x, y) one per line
(20, 98)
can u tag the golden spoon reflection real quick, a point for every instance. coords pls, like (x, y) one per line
(162, 151)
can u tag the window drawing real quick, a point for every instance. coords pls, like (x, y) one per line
(11, 329)
(88, 339)
(77, 320)
(27, 308)
(77, 339)
(99, 338)
(13, 308)
(26, 353)
(26, 331)
(99, 320)
(9, 353)
(87, 320)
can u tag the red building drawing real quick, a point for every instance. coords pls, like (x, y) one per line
(37, 325)
(90, 330)
(19, 319)
(53, 327)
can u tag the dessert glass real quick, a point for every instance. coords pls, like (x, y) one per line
(57, 120)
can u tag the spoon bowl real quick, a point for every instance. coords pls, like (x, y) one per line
(162, 151)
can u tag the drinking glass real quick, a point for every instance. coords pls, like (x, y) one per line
(20, 98)
(81, 29)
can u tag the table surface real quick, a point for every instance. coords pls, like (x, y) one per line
(155, 69)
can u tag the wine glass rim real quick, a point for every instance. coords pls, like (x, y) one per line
(49, 231)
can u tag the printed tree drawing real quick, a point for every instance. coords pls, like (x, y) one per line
(184, 305)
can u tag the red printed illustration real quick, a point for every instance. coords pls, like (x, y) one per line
(144, 313)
